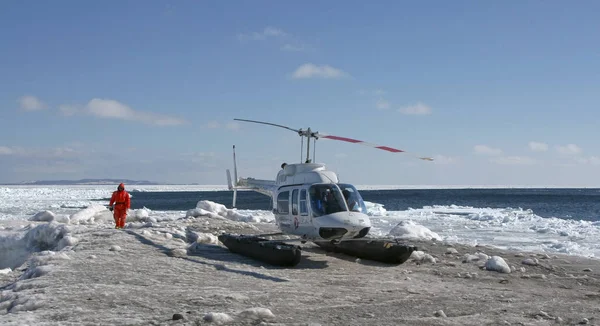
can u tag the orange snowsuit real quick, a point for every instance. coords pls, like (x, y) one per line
(122, 202)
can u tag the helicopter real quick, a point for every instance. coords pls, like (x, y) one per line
(308, 202)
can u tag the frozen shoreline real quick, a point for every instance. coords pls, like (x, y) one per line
(144, 275)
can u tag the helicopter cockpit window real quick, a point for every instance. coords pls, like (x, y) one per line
(303, 206)
(353, 198)
(326, 199)
(283, 202)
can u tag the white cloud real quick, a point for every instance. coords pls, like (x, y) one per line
(31, 103)
(309, 70)
(232, 126)
(5, 150)
(442, 159)
(417, 109)
(382, 104)
(267, 32)
(538, 147)
(111, 109)
(377, 92)
(40, 153)
(295, 47)
(287, 42)
(486, 150)
(68, 110)
(200, 157)
(570, 149)
(217, 125)
(592, 160)
(513, 160)
(212, 125)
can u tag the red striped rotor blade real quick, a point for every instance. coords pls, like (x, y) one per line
(360, 142)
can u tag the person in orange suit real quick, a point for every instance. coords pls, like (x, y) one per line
(122, 202)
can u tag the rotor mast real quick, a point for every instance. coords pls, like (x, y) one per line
(308, 134)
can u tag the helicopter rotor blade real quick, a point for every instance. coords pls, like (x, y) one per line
(271, 124)
(360, 142)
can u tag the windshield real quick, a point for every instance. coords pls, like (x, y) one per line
(353, 198)
(326, 199)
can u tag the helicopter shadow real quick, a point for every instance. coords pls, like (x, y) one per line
(342, 256)
(220, 267)
(217, 252)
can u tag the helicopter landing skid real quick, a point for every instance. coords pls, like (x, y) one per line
(274, 252)
(390, 251)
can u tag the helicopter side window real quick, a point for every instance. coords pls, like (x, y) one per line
(295, 202)
(283, 202)
(303, 208)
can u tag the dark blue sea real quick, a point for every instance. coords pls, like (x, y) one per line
(576, 204)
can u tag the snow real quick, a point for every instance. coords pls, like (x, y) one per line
(497, 263)
(206, 208)
(43, 216)
(409, 230)
(247, 316)
(70, 264)
(90, 215)
(375, 209)
(478, 256)
(506, 228)
(421, 256)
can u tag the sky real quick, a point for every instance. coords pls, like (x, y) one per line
(497, 93)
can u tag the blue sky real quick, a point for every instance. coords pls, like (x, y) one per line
(498, 93)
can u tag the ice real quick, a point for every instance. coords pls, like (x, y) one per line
(15, 247)
(76, 256)
(421, 256)
(218, 318)
(497, 263)
(375, 209)
(506, 228)
(479, 256)
(91, 215)
(43, 216)
(207, 208)
(411, 231)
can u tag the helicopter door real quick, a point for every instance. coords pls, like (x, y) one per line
(299, 217)
(283, 217)
(303, 211)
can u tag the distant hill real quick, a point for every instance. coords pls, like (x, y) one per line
(87, 182)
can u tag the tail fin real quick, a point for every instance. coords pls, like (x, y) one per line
(233, 185)
(266, 187)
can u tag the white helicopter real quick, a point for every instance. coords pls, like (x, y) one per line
(310, 202)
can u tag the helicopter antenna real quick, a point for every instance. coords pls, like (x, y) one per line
(308, 134)
(301, 147)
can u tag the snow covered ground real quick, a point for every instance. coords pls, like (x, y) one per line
(69, 266)
(508, 228)
(159, 268)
